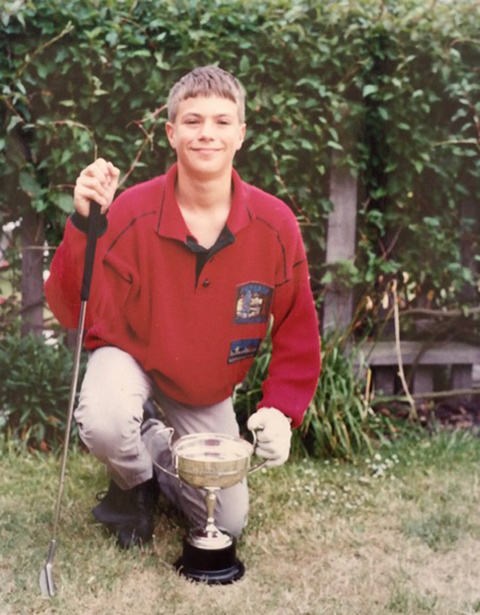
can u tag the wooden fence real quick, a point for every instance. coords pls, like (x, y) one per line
(422, 361)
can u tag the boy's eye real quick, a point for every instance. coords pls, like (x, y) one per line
(192, 119)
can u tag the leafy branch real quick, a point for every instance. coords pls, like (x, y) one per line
(31, 57)
(148, 140)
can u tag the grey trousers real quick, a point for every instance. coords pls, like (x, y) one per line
(110, 414)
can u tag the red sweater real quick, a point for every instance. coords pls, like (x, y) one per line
(197, 330)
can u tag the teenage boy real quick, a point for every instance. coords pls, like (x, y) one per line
(190, 269)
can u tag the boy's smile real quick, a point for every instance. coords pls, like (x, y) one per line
(206, 134)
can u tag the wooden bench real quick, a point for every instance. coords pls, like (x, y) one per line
(422, 359)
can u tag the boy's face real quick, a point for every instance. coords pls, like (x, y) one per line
(206, 134)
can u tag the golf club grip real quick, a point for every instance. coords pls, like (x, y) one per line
(93, 220)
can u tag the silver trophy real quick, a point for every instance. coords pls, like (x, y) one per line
(211, 462)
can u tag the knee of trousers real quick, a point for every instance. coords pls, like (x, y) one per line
(231, 512)
(107, 429)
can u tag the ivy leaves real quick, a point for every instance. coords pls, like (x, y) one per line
(389, 89)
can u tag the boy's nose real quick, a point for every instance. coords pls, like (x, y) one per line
(207, 130)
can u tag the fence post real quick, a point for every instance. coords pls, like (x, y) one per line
(341, 244)
(32, 240)
(469, 228)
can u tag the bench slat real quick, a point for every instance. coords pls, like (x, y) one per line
(440, 353)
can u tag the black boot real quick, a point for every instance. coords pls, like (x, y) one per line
(129, 514)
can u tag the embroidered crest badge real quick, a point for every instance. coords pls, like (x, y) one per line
(253, 303)
(243, 349)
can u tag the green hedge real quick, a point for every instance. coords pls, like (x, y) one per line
(392, 86)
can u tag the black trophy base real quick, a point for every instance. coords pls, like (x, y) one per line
(211, 566)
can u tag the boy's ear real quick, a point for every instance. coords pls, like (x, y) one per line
(243, 129)
(170, 130)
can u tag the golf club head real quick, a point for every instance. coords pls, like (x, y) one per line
(47, 585)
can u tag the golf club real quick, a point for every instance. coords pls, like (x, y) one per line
(47, 585)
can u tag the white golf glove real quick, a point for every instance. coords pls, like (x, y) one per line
(274, 434)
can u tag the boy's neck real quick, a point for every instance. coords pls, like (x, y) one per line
(203, 196)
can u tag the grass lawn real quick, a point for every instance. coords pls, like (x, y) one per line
(395, 534)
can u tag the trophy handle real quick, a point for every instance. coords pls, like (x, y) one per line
(262, 463)
(164, 429)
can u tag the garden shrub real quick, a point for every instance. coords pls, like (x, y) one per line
(34, 390)
(338, 422)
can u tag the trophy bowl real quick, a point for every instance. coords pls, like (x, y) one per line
(212, 461)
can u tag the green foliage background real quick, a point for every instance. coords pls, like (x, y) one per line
(393, 87)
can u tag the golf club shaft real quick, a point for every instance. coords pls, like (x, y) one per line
(46, 576)
(71, 404)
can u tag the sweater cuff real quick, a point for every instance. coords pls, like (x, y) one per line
(294, 418)
(81, 223)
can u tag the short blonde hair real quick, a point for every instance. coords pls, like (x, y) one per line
(207, 81)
